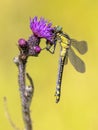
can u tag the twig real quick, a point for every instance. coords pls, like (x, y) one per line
(24, 94)
(8, 115)
(31, 81)
(26, 48)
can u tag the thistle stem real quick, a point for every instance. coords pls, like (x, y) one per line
(24, 101)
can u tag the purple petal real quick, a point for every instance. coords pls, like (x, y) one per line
(41, 28)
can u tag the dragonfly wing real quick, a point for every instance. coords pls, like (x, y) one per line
(81, 46)
(66, 59)
(77, 63)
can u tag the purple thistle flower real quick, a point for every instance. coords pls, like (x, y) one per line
(42, 28)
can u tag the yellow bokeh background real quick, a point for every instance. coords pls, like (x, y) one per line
(78, 108)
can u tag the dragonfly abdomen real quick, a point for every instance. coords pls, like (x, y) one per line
(59, 79)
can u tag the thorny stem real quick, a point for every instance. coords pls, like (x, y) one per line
(24, 100)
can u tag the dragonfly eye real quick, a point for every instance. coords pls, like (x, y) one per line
(58, 29)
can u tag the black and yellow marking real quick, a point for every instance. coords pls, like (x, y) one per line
(67, 52)
(58, 93)
(67, 45)
(63, 54)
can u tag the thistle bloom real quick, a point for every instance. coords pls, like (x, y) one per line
(42, 28)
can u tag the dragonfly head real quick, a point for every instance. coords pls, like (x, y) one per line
(57, 29)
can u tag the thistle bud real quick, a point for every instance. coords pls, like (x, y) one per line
(22, 43)
(37, 49)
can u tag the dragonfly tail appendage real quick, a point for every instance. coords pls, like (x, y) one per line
(58, 93)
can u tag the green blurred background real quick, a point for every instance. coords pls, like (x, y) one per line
(78, 108)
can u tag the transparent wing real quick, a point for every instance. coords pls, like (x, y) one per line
(66, 58)
(81, 46)
(77, 63)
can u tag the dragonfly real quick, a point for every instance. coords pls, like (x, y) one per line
(67, 46)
